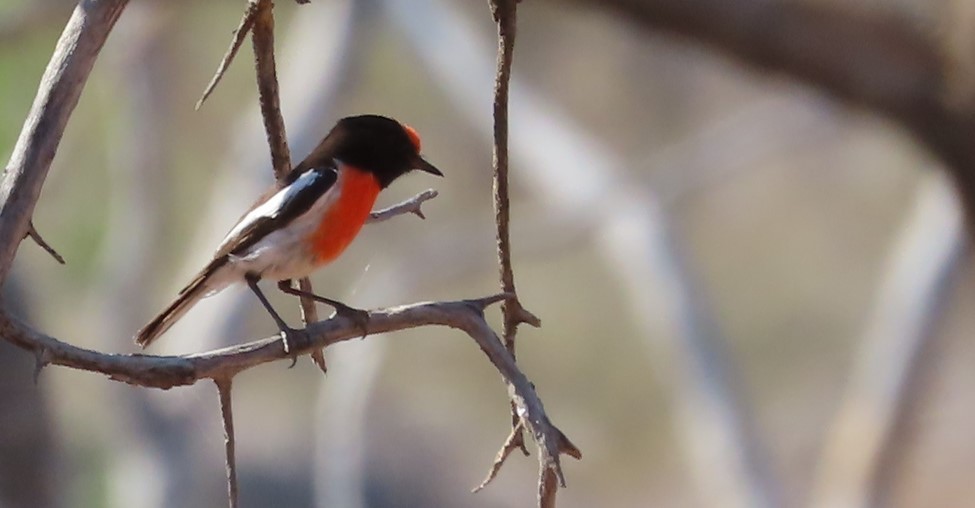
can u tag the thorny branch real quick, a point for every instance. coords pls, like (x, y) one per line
(170, 371)
(504, 13)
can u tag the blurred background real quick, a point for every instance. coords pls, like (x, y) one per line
(752, 295)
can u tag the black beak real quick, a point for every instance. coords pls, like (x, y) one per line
(423, 165)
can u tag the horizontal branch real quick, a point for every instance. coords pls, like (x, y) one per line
(411, 205)
(169, 371)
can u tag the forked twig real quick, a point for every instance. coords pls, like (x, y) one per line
(511, 444)
(411, 205)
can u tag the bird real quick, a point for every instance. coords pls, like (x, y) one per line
(305, 220)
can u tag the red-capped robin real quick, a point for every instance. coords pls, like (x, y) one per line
(306, 220)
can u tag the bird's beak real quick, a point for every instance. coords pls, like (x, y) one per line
(423, 165)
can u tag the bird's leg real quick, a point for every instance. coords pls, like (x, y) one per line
(357, 316)
(292, 339)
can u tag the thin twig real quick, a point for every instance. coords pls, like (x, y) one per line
(411, 205)
(246, 22)
(510, 445)
(39, 240)
(224, 385)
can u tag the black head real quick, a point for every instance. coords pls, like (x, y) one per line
(374, 143)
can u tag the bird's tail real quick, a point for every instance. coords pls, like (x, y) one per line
(188, 296)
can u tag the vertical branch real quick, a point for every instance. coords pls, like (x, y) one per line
(224, 385)
(505, 15)
(548, 486)
(267, 86)
(61, 85)
(277, 139)
(504, 12)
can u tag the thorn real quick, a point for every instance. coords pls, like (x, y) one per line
(566, 446)
(32, 232)
(483, 303)
(318, 356)
(525, 316)
(42, 358)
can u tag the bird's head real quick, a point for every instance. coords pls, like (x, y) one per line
(377, 144)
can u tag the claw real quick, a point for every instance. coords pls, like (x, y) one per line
(293, 341)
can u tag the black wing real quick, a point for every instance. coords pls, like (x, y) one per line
(294, 199)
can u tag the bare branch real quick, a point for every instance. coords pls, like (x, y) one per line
(56, 98)
(411, 205)
(504, 13)
(39, 240)
(243, 28)
(169, 371)
(267, 85)
(224, 385)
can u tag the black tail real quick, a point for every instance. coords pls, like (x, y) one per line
(188, 297)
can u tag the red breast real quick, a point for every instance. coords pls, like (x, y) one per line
(344, 218)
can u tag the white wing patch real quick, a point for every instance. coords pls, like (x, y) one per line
(272, 207)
